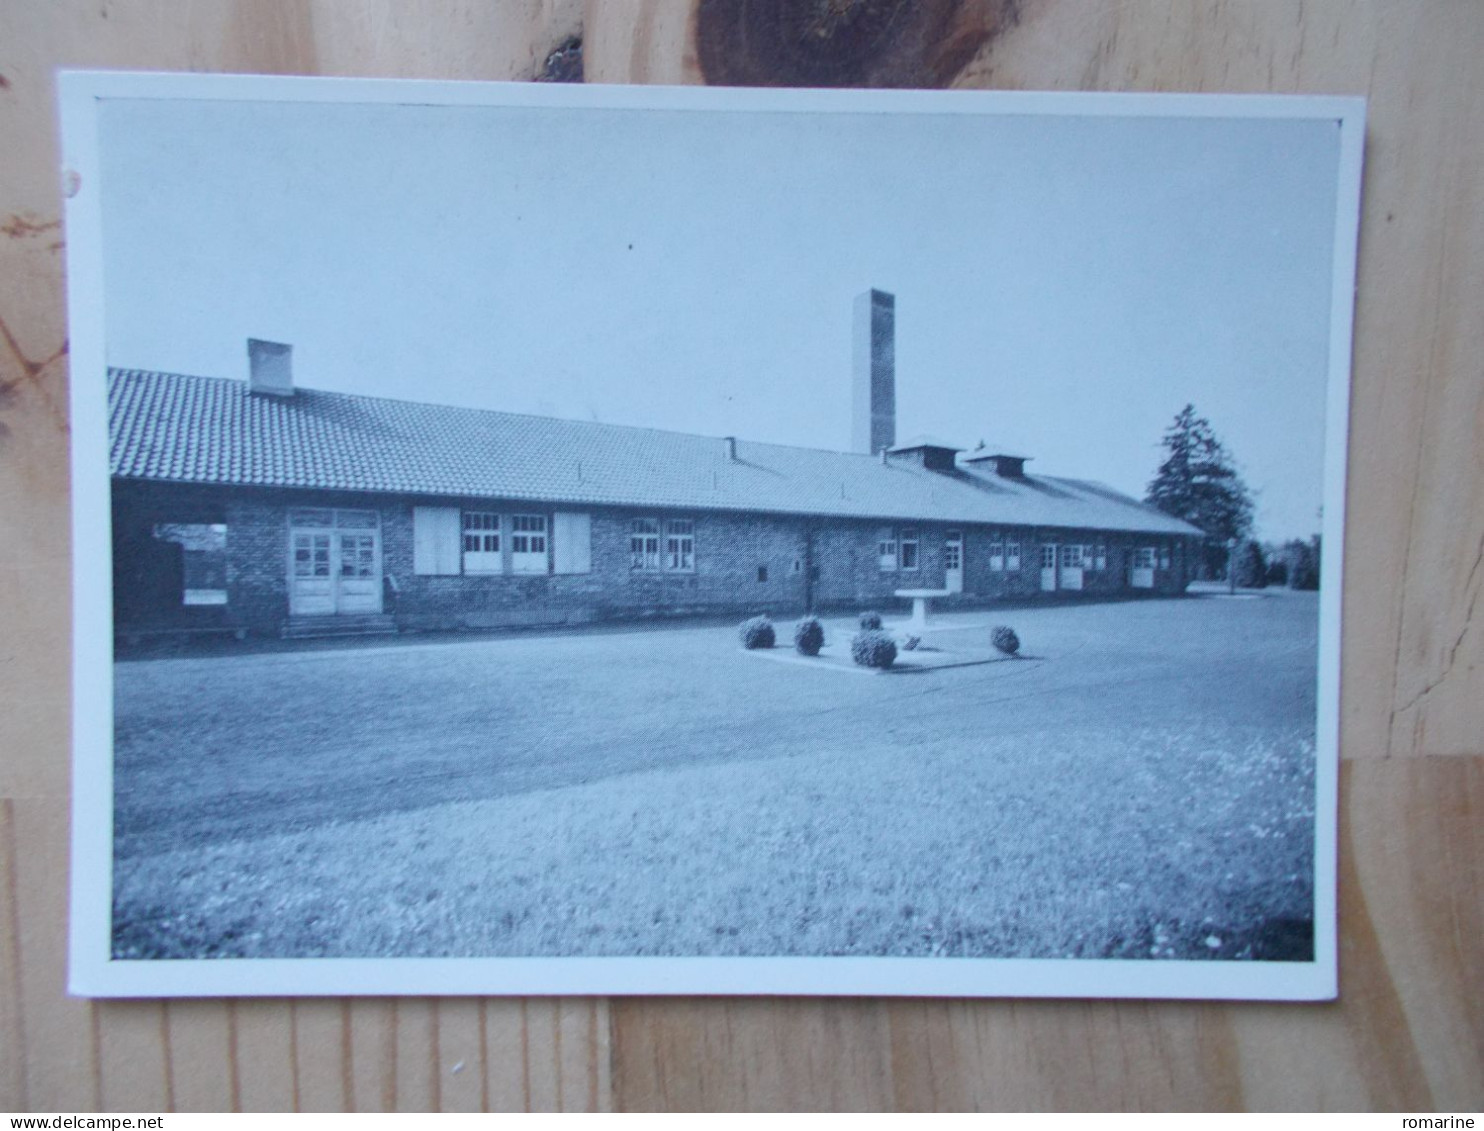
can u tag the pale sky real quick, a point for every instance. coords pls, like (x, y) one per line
(1064, 285)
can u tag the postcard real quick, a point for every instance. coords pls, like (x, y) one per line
(543, 539)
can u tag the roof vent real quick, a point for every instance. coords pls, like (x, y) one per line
(731, 446)
(925, 451)
(270, 368)
(1003, 464)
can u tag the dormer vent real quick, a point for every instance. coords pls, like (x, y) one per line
(926, 452)
(1003, 464)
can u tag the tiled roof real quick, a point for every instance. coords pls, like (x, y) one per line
(166, 426)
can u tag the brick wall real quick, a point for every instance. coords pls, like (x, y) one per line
(744, 564)
(730, 550)
(257, 561)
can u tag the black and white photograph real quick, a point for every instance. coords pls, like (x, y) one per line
(659, 541)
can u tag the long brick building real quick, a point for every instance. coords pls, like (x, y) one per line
(258, 507)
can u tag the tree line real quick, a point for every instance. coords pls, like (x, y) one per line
(1198, 482)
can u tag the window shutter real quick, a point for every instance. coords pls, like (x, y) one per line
(572, 542)
(435, 540)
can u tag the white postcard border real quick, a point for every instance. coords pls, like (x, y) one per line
(92, 971)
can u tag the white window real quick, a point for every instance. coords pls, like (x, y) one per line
(953, 550)
(1071, 557)
(482, 542)
(907, 549)
(680, 545)
(669, 545)
(1144, 557)
(886, 551)
(996, 552)
(1048, 557)
(1164, 557)
(644, 544)
(311, 555)
(1012, 556)
(358, 556)
(528, 543)
(1100, 557)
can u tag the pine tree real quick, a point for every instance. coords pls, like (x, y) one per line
(1303, 563)
(1252, 566)
(1198, 482)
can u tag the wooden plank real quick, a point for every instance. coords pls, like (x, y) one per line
(1417, 442)
(586, 1054)
(646, 41)
(460, 1064)
(416, 1033)
(13, 1045)
(60, 1060)
(372, 1051)
(753, 1054)
(457, 39)
(1202, 46)
(1412, 868)
(262, 1068)
(34, 702)
(507, 1070)
(321, 1054)
(558, 1057)
(134, 1061)
(199, 1054)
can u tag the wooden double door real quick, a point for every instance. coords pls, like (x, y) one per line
(334, 562)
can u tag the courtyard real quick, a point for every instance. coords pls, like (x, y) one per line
(1139, 785)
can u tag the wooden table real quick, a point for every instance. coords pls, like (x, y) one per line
(1408, 1032)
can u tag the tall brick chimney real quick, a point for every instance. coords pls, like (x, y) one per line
(874, 397)
(270, 368)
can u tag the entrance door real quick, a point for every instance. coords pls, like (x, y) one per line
(1141, 573)
(358, 588)
(334, 562)
(1048, 568)
(1071, 567)
(953, 561)
(311, 573)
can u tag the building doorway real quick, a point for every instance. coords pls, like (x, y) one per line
(1070, 576)
(1048, 567)
(1141, 572)
(953, 561)
(334, 562)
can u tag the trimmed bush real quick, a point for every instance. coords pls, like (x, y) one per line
(809, 636)
(757, 633)
(1003, 637)
(870, 622)
(910, 641)
(873, 649)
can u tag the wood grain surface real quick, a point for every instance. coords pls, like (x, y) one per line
(1408, 1032)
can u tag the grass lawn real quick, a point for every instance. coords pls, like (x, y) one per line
(1142, 788)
